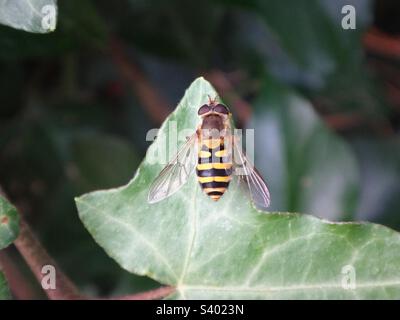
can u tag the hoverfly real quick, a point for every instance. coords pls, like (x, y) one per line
(217, 158)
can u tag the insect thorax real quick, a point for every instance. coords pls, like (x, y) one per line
(212, 122)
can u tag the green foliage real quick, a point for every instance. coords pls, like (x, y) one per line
(28, 15)
(78, 27)
(9, 229)
(8, 223)
(229, 249)
(309, 168)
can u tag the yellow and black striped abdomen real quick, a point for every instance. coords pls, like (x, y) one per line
(214, 167)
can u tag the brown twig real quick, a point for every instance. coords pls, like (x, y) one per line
(148, 295)
(380, 43)
(341, 122)
(36, 257)
(20, 287)
(148, 95)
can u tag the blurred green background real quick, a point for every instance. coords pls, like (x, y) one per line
(75, 106)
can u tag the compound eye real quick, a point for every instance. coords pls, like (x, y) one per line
(220, 108)
(204, 109)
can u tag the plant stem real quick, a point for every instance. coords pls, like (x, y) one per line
(148, 295)
(37, 257)
(20, 286)
(381, 43)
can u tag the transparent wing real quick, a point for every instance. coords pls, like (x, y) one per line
(175, 173)
(251, 179)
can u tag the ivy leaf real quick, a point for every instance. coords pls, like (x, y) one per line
(230, 250)
(37, 16)
(9, 229)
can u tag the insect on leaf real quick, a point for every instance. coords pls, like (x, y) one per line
(230, 250)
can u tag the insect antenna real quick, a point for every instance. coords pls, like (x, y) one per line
(212, 101)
